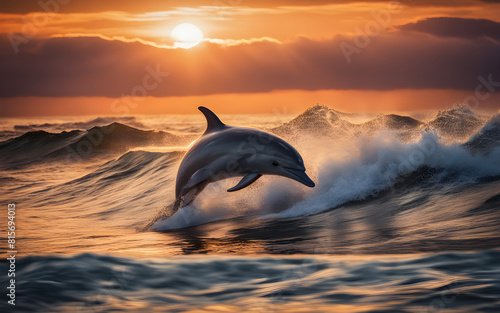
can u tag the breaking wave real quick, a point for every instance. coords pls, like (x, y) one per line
(351, 162)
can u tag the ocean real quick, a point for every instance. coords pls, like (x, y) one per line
(405, 216)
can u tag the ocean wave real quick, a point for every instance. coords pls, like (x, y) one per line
(350, 162)
(466, 282)
(40, 146)
(380, 165)
(385, 164)
(316, 121)
(120, 138)
(455, 124)
(99, 121)
(377, 192)
(458, 123)
(33, 146)
(118, 189)
(487, 138)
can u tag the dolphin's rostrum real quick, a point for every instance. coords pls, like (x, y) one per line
(225, 151)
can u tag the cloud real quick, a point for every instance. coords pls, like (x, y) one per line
(92, 6)
(92, 66)
(221, 42)
(456, 27)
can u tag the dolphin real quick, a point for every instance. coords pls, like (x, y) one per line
(226, 151)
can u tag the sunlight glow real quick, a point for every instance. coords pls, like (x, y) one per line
(186, 35)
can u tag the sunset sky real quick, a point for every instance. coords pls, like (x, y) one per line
(71, 57)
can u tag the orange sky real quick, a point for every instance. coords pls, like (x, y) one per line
(86, 57)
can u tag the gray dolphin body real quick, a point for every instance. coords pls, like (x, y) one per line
(225, 151)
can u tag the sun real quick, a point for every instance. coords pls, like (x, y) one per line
(186, 35)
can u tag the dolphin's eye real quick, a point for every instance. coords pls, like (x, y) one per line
(275, 163)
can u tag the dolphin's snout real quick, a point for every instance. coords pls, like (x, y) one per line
(300, 176)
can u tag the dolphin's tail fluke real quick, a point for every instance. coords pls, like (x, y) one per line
(189, 196)
(178, 204)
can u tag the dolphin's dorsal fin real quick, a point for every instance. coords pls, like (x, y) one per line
(213, 122)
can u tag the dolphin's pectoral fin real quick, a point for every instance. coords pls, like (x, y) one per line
(198, 177)
(245, 181)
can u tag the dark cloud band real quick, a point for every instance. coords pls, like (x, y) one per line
(68, 67)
